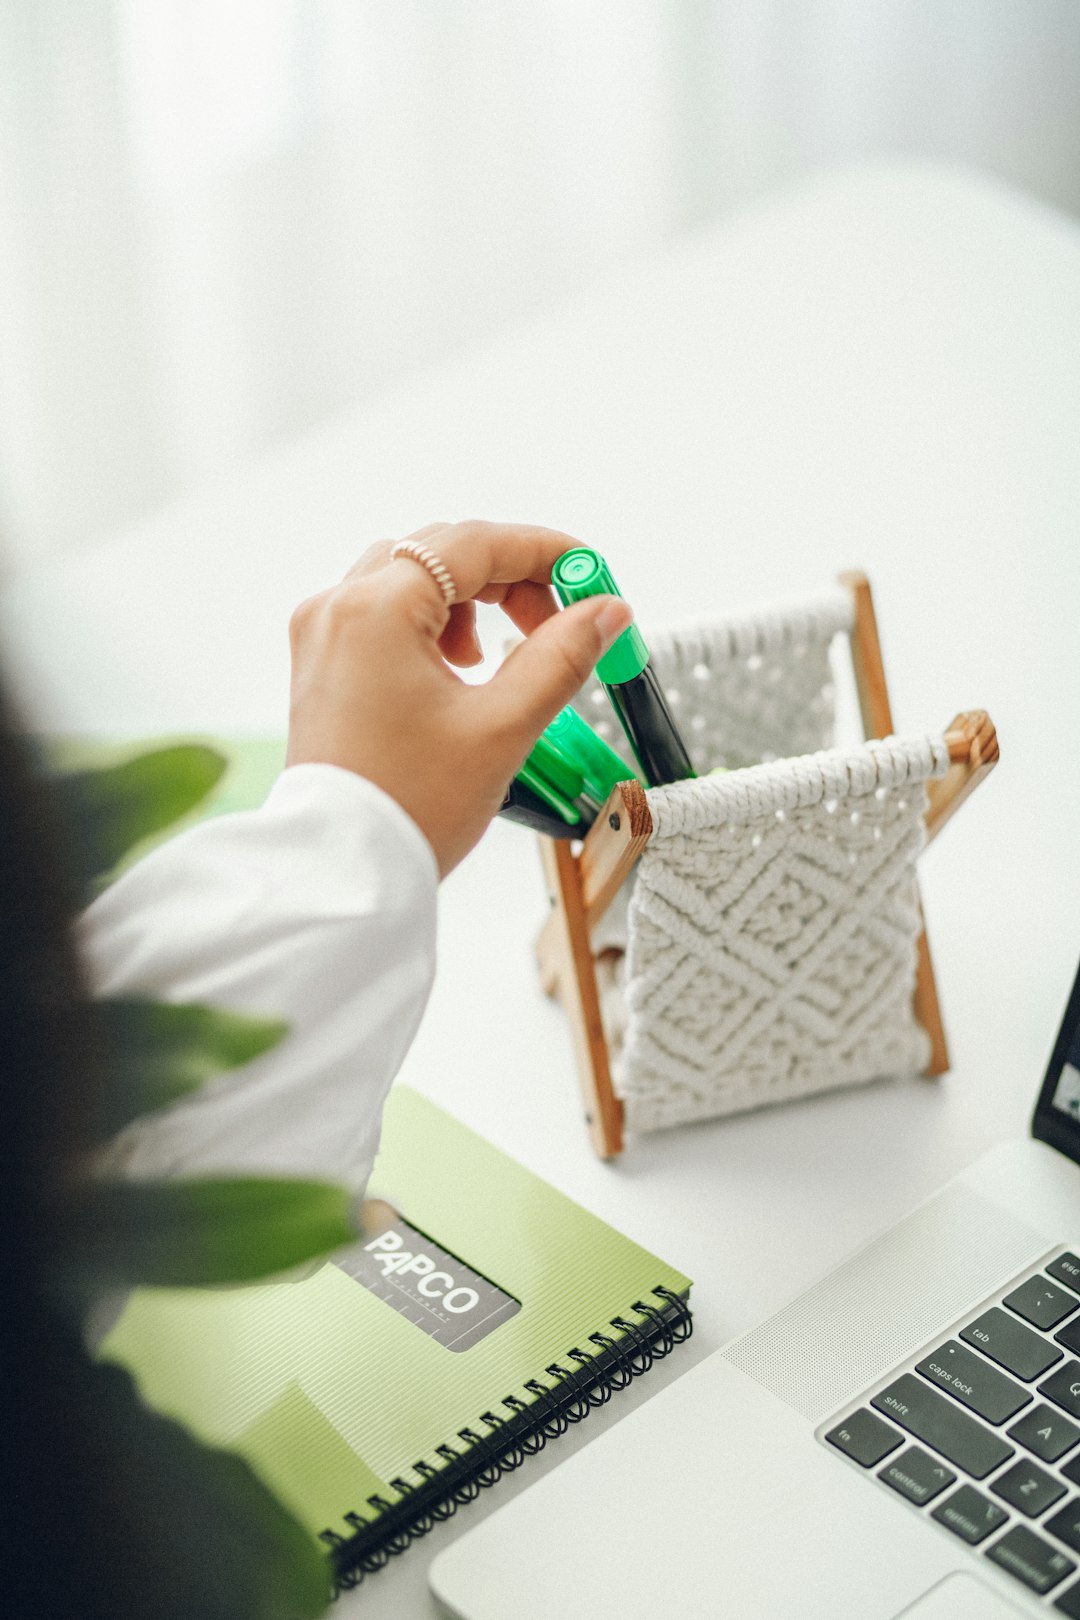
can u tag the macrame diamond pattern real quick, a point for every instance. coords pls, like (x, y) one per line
(770, 928)
(772, 959)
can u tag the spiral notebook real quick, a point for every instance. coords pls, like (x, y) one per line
(482, 1313)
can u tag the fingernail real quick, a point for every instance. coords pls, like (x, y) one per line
(613, 618)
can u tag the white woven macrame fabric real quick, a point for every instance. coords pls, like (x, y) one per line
(752, 689)
(771, 934)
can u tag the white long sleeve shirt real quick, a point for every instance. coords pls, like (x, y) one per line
(319, 909)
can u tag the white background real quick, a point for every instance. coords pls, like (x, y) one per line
(331, 270)
(223, 221)
(878, 370)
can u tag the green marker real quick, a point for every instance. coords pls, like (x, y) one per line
(565, 780)
(627, 675)
(601, 767)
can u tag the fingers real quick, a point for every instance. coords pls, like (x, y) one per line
(526, 603)
(378, 555)
(505, 563)
(459, 643)
(542, 675)
(487, 559)
(480, 555)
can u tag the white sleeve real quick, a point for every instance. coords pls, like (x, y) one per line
(318, 909)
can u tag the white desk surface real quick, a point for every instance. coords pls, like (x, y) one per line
(881, 370)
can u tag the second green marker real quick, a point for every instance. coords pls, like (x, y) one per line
(627, 675)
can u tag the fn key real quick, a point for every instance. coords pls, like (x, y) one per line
(864, 1438)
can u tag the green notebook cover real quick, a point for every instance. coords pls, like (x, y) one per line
(485, 1279)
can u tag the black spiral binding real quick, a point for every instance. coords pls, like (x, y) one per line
(497, 1443)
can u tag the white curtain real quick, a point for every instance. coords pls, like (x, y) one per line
(222, 220)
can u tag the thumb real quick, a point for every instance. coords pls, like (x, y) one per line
(551, 665)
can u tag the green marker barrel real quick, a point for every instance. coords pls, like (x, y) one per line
(627, 675)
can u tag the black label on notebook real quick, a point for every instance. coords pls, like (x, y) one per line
(427, 1285)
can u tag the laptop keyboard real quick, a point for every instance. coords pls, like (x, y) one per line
(982, 1432)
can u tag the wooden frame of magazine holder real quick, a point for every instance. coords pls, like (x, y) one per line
(583, 882)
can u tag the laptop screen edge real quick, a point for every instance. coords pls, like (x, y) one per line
(1056, 1119)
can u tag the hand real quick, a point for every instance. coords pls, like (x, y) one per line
(373, 691)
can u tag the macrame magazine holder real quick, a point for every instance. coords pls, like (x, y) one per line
(755, 936)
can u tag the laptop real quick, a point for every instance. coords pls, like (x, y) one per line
(901, 1440)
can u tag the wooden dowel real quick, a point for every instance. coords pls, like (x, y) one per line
(576, 979)
(877, 720)
(548, 948)
(582, 887)
(973, 752)
(614, 842)
(928, 1010)
(866, 659)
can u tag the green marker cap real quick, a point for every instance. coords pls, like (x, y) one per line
(583, 572)
(534, 775)
(601, 766)
(560, 768)
(569, 765)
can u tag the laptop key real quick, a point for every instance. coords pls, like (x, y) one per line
(864, 1438)
(1063, 1388)
(970, 1515)
(1028, 1487)
(1070, 1336)
(1041, 1303)
(1066, 1269)
(1069, 1602)
(973, 1382)
(940, 1424)
(917, 1475)
(1031, 1559)
(1013, 1346)
(1045, 1433)
(1065, 1524)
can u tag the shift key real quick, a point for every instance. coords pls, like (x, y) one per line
(939, 1423)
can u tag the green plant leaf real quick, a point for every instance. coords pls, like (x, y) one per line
(193, 1526)
(198, 1232)
(116, 807)
(160, 1052)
